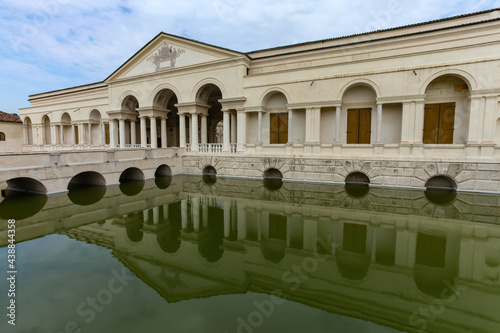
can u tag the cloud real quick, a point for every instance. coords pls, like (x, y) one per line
(85, 41)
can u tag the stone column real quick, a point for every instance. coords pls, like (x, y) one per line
(226, 127)
(145, 216)
(53, 135)
(204, 128)
(379, 123)
(133, 133)
(241, 133)
(154, 133)
(194, 132)
(156, 215)
(338, 109)
(184, 221)
(121, 130)
(163, 132)
(406, 123)
(290, 127)
(227, 218)
(241, 220)
(61, 135)
(144, 133)
(309, 125)
(196, 213)
(25, 135)
(418, 134)
(316, 130)
(73, 135)
(233, 127)
(80, 134)
(259, 128)
(90, 134)
(182, 131)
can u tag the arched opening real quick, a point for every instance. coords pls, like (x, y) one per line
(359, 102)
(132, 130)
(47, 136)
(67, 132)
(87, 188)
(29, 131)
(163, 170)
(96, 136)
(131, 181)
(447, 111)
(166, 100)
(210, 95)
(273, 179)
(357, 178)
(276, 119)
(441, 183)
(2, 136)
(26, 185)
(163, 176)
(209, 175)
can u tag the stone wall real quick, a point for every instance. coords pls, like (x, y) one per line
(474, 176)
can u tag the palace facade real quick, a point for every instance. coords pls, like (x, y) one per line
(423, 93)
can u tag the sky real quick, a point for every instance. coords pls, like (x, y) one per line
(53, 44)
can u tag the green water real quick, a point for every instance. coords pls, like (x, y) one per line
(193, 254)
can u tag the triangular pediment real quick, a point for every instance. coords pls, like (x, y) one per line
(168, 52)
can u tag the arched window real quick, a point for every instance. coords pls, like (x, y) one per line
(2, 136)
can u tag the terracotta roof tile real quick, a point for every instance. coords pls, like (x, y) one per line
(7, 117)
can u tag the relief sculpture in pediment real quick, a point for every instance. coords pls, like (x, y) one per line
(166, 53)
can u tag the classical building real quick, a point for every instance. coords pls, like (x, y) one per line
(426, 92)
(11, 132)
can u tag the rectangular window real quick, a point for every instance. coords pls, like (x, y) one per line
(439, 123)
(359, 124)
(278, 131)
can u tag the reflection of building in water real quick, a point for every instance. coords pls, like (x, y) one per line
(354, 258)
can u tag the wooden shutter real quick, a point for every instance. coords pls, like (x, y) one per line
(446, 123)
(431, 123)
(274, 128)
(365, 125)
(353, 126)
(431, 250)
(106, 130)
(283, 128)
(439, 123)
(77, 137)
(277, 226)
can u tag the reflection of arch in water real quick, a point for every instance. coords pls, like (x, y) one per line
(273, 250)
(211, 237)
(353, 258)
(20, 206)
(163, 182)
(435, 264)
(134, 231)
(209, 175)
(440, 197)
(87, 188)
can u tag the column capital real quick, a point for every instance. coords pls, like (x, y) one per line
(192, 107)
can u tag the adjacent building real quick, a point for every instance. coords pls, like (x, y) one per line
(11, 132)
